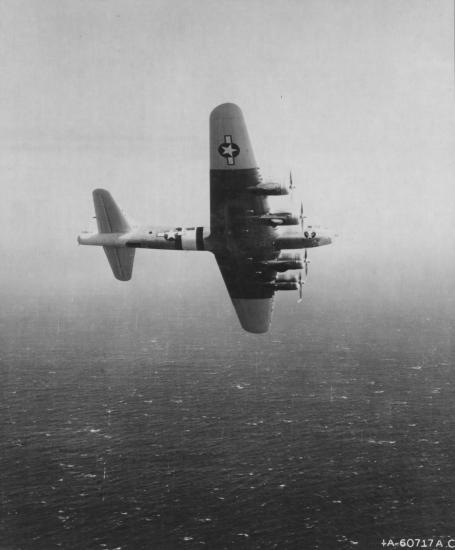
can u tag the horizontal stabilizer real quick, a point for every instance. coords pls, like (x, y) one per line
(109, 217)
(121, 261)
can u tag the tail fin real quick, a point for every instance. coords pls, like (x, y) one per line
(110, 219)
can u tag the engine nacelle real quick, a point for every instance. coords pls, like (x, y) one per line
(285, 261)
(286, 286)
(286, 282)
(285, 278)
(269, 189)
(301, 240)
(276, 218)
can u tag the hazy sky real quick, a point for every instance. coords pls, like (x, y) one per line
(355, 96)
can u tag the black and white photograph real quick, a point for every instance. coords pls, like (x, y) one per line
(228, 274)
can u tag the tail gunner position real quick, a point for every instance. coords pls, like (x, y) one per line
(245, 236)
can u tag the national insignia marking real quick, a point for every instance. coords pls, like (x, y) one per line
(229, 150)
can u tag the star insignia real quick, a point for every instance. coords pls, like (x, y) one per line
(229, 150)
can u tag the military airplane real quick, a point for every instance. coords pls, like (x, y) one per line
(245, 235)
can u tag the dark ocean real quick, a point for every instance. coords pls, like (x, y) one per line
(130, 425)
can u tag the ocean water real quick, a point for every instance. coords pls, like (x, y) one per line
(132, 427)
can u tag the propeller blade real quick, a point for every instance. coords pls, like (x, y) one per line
(306, 262)
(300, 288)
(302, 217)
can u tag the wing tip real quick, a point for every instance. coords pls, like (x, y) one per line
(123, 276)
(230, 146)
(226, 110)
(255, 314)
(100, 192)
(255, 330)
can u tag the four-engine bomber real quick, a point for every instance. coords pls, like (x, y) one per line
(246, 236)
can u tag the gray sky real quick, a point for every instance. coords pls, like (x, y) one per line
(355, 96)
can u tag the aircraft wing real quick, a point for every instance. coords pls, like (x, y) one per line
(252, 301)
(241, 245)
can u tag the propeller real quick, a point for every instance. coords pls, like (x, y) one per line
(300, 282)
(291, 189)
(306, 261)
(291, 183)
(302, 217)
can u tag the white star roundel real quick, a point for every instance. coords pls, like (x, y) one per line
(229, 150)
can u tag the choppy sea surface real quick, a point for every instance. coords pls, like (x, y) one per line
(127, 427)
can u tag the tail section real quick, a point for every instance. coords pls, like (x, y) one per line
(110, 219)
(121, 261)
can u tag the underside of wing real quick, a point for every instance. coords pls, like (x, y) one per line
(255, 314)
(252, 298)
(240, 244)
